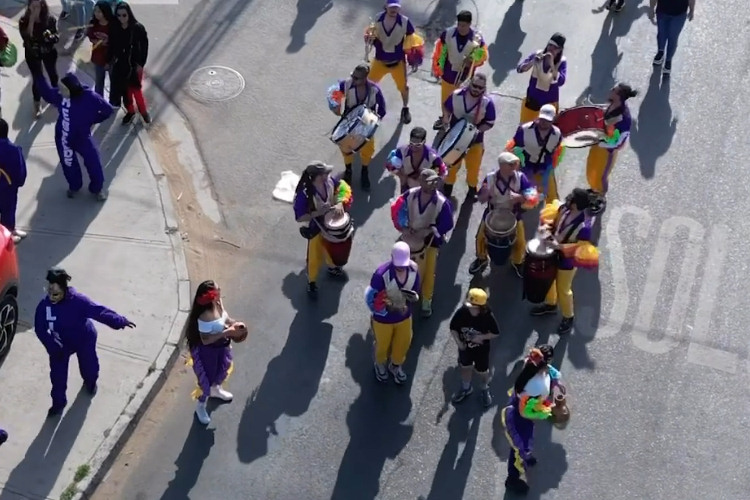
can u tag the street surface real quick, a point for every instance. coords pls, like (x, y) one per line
(657, 366)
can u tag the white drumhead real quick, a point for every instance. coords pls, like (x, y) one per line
(347, 123)
(583, 138)
(452, 136)
(500, 220)
(333, 221)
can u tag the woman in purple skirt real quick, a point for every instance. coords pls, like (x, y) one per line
(209, 331)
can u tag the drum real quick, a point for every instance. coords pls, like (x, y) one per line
(355, 128)
(582, 126)
(456, 142)
(539, 271)
(417, 244)
(500, 229)
(337, 232)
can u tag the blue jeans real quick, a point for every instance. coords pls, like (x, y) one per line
(84, 12)
(101, 74)
(668, 29)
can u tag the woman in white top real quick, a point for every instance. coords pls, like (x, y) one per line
(208, 334)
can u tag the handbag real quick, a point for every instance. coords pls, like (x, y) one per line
(9, 56)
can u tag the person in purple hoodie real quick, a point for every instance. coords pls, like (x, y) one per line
(63, 325)
(79, 111)
(549, 70)
(393, 291)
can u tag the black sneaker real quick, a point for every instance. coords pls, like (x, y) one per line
(398, 373)
(486, 398)
(336, 272)
(71, 194)
(312, 290)
(461, 395)
(543, 309)
(471, 195)
(128, 118)
(448, 190)
(667, 69)
(518, 269)
(55, 411)
(478, 266)
(92, 389)
(348, 175)
(530, 461)
(659, 58)
(146, 118)
(364, 179)
(405, 116)
(79, 35)
(517, 485)
(381, 374)
(619, 5)
(438, 125)
(566, 326)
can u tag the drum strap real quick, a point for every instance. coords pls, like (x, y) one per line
(543, 149)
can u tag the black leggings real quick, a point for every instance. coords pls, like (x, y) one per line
(49, 63)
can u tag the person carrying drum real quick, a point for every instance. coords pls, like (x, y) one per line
(602, 156)
(395, 43)
(317, 194)
(539, 146)
(505, 188)
(406, 162)
(357, 90)
(568, 228)
(549, 70)
(392, 292)
(424, 216)
(458, 52)
(473, 326)
(472, 104)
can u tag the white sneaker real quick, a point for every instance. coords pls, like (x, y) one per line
(219, 393)
(202, 413)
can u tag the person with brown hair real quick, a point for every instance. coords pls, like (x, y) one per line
(39, 32)
(128, 53)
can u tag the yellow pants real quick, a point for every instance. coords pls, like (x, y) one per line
(427, 264)
(561, 290)
(473, 162)
(518, 251)
(599, 166)
(398, 72)
(551, 192)
(395, 338)
(366, 154)
(316, 256)
(446, 89)
(529, 115)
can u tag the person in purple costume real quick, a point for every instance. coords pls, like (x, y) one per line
(3, 436)
(63, 325)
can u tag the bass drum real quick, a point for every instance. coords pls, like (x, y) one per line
(582, 126)
(500, 227)
(539, 271)
(354, 129)
(338, 232)
(456, 142)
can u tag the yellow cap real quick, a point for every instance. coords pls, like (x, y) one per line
(477, 297)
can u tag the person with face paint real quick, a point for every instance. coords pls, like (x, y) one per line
(317, 194)
(78, 113)
(539, 146)
(406, 162)
(617, 120)
(356, 90)
(63, 324)
(425, 213)
(473, 326)
(127, 56)
(208, 334)
(470, 103)
(393, 290)
(396, 43)
(12, 178)
(458, 53)
(509, 188)
(530, 401)
(549, 71)
(568, 227)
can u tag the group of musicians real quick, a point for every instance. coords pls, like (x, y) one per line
(423, 213)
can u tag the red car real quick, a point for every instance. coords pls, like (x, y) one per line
(8, 291)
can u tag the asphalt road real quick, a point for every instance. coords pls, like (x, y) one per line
(657, 366)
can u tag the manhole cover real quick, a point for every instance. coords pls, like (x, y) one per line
(216, 83)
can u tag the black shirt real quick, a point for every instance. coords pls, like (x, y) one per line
(469, 326)
(672, 7)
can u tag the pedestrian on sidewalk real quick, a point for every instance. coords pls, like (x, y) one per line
(98, 33)
(4, 41)
(77, 115)
(128, 52)
(208, 333)
(473, 326)
(670, 19)
(12, 177)
(39, 32)
(85, 9)
(63, 325)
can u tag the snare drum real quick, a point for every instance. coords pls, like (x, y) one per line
(417, 245)
(582, 126)
(539, 271)
(355, 128)
(456, 142)
(338, 232)
(500, 230)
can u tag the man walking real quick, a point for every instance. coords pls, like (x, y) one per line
(670, 19)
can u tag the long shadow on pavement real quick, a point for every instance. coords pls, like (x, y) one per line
(24, 121)
(442, 17)
(308, 13)
(189, 463)
(292, 378)
(652, 135)
(505, 51)
(37, 473)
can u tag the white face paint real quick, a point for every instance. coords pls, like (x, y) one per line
(55, 293)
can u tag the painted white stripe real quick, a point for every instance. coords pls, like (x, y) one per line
(712, 358)
(714, 265)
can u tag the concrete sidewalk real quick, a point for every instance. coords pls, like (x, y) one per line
(125, 253)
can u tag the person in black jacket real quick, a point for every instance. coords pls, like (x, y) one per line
(39, 32)
(128, 52)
